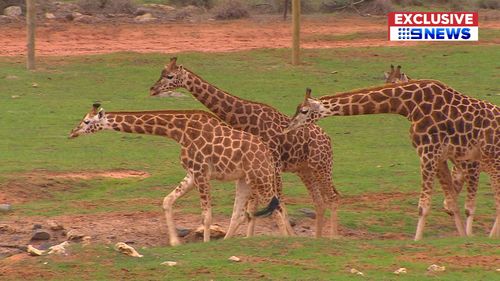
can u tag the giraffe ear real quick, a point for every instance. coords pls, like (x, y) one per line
(95, 107)
(386, 75)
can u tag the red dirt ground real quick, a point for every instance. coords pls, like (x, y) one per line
(67, 39)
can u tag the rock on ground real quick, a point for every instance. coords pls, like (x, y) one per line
(13, 11)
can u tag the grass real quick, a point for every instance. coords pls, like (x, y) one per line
(373, 155)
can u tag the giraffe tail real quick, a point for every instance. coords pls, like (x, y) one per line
(273, 205)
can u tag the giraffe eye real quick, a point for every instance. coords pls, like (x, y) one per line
(86, 122)
(170, 76)
(304, 111)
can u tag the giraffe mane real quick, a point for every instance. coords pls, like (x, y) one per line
(381, 87)
(191, 111)
(236, 97)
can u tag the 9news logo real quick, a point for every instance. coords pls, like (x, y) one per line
(433, 26)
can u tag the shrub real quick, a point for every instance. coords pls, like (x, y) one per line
(198, 3)
(107, 6)
(231, 9)
(378, 7)
(489, 4)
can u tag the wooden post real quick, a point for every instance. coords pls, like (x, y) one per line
(30, 38)
(296, 32)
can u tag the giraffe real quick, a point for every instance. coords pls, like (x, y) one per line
(307, 152)
(459, 174)
(210, 150)
(445, 125)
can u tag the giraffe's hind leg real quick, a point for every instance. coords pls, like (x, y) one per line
(307, 178)
(242, 196)
(495, 185)
(252, 204)
(446, 182)
(428, 167)
(330, 196)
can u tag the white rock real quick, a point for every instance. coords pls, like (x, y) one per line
(169, 263)
(13, 11)
(34, 251)
(59, 249)
(234, 258)
(401, 270)
(355, 271)
(74, 235)
(127, 250)
(53, 225)
(145, 18)
(436, 268)
(165, 8)
(50, 16)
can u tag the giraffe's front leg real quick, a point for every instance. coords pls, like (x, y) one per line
(203, 185)
(185, 185)
(495, 186)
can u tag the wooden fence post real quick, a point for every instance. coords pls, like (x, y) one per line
(30, 38)
(296, 32)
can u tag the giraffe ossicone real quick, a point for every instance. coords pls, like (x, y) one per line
(210, 150)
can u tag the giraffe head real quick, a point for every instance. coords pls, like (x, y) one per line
(307, 113)
(395, 75)
(92, 122)
(171, 78)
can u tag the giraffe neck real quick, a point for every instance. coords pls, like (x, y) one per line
(406, 99)
(216, 100)
(181, 126)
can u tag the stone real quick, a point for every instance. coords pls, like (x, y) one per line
(308, 213)
(401, 270)
(34, 251)
(74, 235)
(86, 19)
(5, 207)
(6, 19)
(58, 249)
(40, 234)
(355, 271)
(50, 16)
(53, 225)
(234, 258)
(169, 263)
(216, 231)
(13, 11)
(127, 250)
(436, 268)
(37, 226)
(292, 221)
(147, 17)
(182, 232)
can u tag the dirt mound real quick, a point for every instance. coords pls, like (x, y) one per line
(40, 183)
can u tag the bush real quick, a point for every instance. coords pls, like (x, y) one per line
(107, 6)
(231, 9)
(489, 4)
(198, 3)
(378, 7)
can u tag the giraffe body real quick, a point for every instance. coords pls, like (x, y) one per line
(306, 152)
(210, 150)
(445, 125)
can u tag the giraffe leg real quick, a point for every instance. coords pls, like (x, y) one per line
(251, 209)
(203, 185)
(446, 182)
(308, 179)
(185, 185)
(495, 185)
(240, 203)
(472, 178)
(330, 196)
(428, 169)
(458, 178)
(279, 191)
